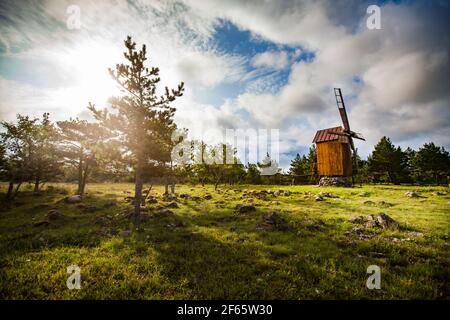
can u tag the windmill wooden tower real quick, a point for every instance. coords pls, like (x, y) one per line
(335, 149)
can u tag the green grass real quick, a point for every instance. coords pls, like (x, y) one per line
(219, 254)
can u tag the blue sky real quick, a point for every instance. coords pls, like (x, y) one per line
(246, 64)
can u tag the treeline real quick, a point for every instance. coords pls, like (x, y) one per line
(388, 164)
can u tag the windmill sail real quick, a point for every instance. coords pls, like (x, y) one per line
(341, 107)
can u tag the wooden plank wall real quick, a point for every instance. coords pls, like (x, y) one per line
(333, 159)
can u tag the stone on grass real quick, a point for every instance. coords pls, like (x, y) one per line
(54, 215)
(207, 197)
(356, 219)
(438, 193)
(41, 223)
(172, 205)
(363, 194)
(176, 224)
(184, 195)
(244, 208)
(368, 203)
(276, 221)
(170, 197)
(319, 198)
(411, 194)
(125, 233)
(386, 222)
(286, 193)
(90, 209)
(73, 199)
(163, 212)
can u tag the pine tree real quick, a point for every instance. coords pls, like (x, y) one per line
(143, 119)
(387, 159)
(81, 142)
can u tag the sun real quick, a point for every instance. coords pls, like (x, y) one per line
(88, 64)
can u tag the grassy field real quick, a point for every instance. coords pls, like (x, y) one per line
(205, 249)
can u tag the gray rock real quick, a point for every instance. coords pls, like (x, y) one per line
(172, 205)
(319, 198)
(276, 221)
(335, 181)
(74, 199)
(125, 233)
(411, 194)
(54, 215)
(356, 219)
(363, 194)
(244, 208)
(386, 222)
(286, 193)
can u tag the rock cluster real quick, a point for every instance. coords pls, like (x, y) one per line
(335, 181)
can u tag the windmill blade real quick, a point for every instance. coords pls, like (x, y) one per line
(352, 145)
(357, 135)
(341, 107)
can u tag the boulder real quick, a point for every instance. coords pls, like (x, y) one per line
(319, 198)
(386, 222)
(163, 212)
(335, 181)
(411, 194)
(286, 193)
(125, 233)
(90, 209)
(276, 221)
(172, 205)
(356, 219)
(176, 224)
(54, 215)
(244, 208)
(73, 199)
(41, 223)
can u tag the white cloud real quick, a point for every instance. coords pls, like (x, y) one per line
(271, 60)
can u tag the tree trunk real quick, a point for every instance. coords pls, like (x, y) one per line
(80, 175)
(37, 182)
(172, 187)
(17, 189)
(83, 180)
(137, 192)
(10, 191)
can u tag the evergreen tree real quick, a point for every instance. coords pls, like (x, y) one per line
(387, 159)
(81, 142)
(430, 160)
(143, 119)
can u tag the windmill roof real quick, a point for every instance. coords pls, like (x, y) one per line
(326, 135)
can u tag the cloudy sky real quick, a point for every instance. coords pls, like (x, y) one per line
(246, 64)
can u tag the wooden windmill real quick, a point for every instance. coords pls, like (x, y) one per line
(335, 148)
